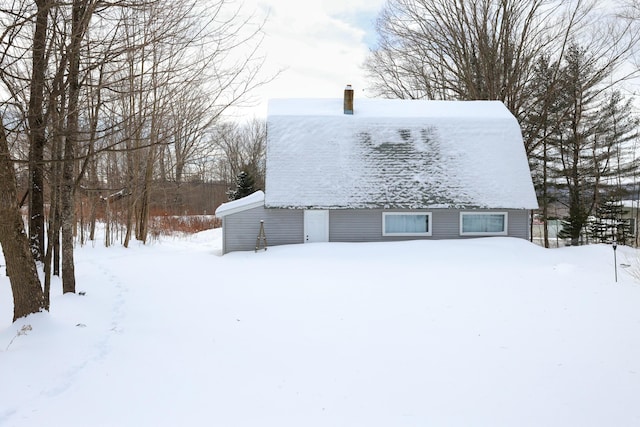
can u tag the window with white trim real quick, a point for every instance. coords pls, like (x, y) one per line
(406, 223)
(483, 223)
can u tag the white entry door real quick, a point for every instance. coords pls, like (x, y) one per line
(316, 226)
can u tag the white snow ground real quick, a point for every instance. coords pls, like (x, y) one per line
(487, 332)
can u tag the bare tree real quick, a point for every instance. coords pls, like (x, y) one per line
(37, 129)
(25, 284)
(81, 13)
(483, 49)
(180, 81)
(92, 89)
(441, 49)
(241, 147)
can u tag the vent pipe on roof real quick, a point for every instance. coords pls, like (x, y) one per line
(348, 100)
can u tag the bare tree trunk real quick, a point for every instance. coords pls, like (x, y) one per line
(21, 268)
(37, 135)
(545, 196)
(92, 216)
(52, 255)
(68, 218)
(80, 20)
(143, 228)
(130, 214)
(107, 224)
(53, 242)
(57, 112)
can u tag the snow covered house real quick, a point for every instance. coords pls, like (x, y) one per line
(384, 170)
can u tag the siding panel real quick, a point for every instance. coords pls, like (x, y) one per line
(284, 226)
(365, 225)
(519, 224)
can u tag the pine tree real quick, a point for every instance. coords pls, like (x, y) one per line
(609, 224)
(539, 125)
(244, 186)
(570, 231)
(590, 140)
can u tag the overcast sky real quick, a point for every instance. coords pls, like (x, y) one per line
(320, 46)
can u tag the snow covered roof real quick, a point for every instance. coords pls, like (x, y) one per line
(251, 201)
(395, 154)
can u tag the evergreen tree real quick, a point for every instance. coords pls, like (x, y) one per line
(570, 230)
(589, 140)
(609, 224)
(539, 125)
(600, 228)
(245, 185)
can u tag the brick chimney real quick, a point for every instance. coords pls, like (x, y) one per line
(348, 100)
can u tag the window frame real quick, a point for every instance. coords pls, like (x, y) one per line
(504, 232)
(428, 233)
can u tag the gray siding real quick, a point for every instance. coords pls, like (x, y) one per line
(281, 226)
(286, 226)
(519, 225)
(366, 225)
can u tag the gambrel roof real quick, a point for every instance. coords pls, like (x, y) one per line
(395, 154)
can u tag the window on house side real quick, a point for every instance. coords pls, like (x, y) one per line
(406, 224)
(483, 224)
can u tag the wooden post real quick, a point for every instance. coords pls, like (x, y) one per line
(261, 240)
(615, 261)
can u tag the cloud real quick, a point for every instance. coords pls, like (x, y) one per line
(319, 46)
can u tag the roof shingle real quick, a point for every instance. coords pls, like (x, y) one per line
(395, 154)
